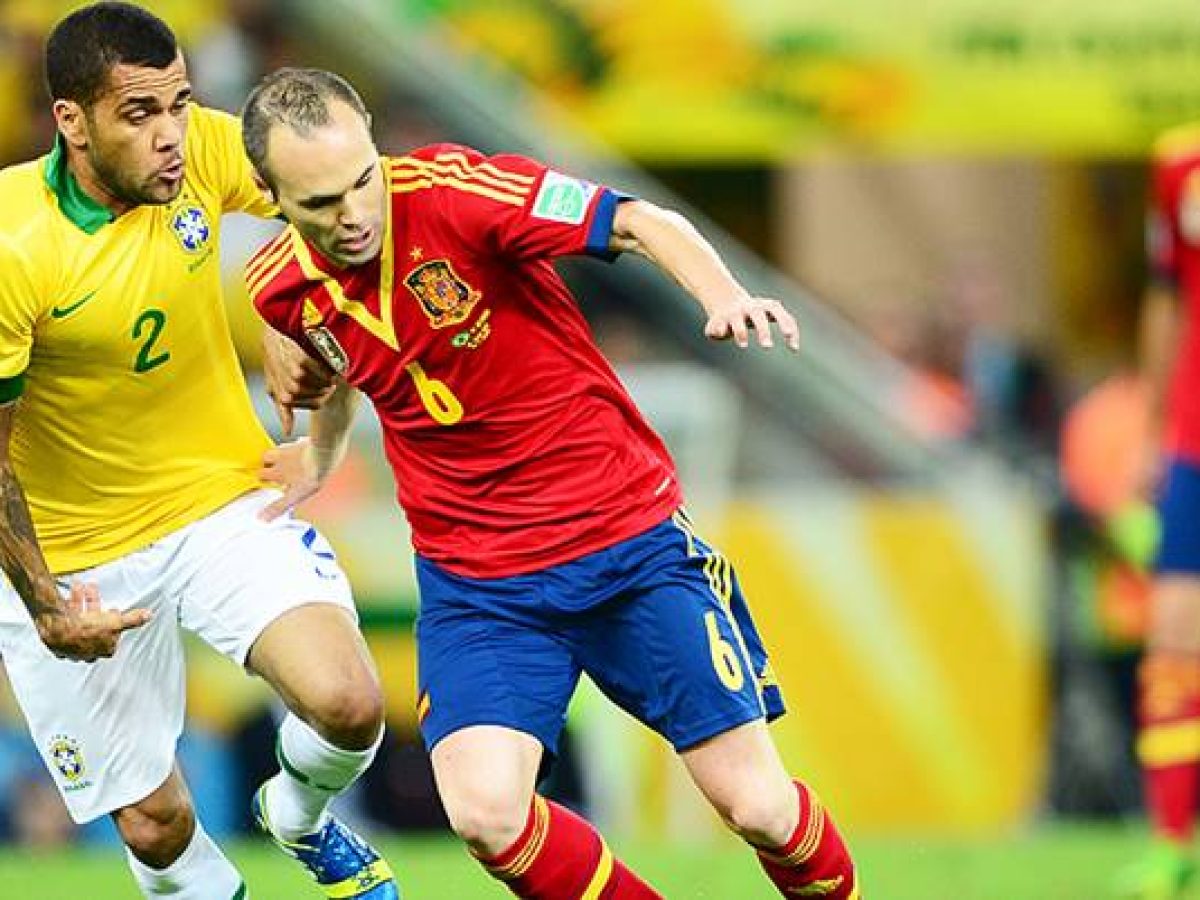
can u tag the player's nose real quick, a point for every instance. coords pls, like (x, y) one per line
(169, 133)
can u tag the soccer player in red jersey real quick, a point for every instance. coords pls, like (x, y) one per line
(546, 514)
(1169, 682)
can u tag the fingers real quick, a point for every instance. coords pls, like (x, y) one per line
(313, 399)
(741, 334)
(716, 329)
(761, 323)
(287, 420)
(292, 497)
(757, 314)
(789, 328)
(273, 511)
(132, 618)
(269, 469)
(83, 598)
(280, 507)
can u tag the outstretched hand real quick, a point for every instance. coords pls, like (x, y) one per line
(739, 317)
(81, 630)
(294, 468)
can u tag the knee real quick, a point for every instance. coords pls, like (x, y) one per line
(157, 832)
(349, 713)
(489, 821)
(766, 820)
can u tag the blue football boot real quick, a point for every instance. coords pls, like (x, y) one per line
(344, 865)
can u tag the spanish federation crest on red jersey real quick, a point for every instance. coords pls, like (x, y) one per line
(444, 297)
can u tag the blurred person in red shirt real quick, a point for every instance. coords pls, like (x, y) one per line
(1168, 744)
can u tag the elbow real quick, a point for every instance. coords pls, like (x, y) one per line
(638, 224)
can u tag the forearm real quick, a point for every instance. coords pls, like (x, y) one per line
(675, 246)
(1158, 345)
(20, 555)
(330, 428)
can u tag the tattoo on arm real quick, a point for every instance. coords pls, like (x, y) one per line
(20, 556)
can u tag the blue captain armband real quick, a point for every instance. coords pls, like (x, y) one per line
(11, 388)
(600, 231)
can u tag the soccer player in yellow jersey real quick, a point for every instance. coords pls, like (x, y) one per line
(129, 488)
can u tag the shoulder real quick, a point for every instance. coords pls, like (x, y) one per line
(205, 123)
(28, 202)
(274, 276)
(214, 142)
(462, 170)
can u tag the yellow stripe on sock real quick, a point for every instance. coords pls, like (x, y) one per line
(537, 840)
(1166, 745)
(604, 870)
(377, 873)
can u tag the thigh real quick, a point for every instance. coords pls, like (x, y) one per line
(106, 730)
(314, 657)
(677, 648)
(1175, 615)
(235, 574)
(485, 657)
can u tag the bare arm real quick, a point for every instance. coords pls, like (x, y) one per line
(20, 556)
(302, 466)
(673, 244)
(74, 628)
(1158, 345)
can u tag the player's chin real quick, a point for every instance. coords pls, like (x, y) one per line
(356, 257)
(161, 191)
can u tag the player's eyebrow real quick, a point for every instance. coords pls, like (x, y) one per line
(316, 201)
(150, 101)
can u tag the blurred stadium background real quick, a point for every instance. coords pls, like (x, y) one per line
(932, 509)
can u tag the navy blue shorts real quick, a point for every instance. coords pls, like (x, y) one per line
(658, 622)
(1179, 513)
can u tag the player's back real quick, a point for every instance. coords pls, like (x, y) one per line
(134, 418)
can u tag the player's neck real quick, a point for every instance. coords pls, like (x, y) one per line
(93, 185)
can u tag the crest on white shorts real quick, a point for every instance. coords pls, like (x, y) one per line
(68, 759)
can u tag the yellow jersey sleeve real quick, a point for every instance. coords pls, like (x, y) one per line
(218, 159)
(20, 307)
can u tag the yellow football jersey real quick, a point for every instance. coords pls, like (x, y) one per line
(134, 417)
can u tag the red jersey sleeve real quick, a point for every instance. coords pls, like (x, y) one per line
(1172, 219)
(1163, 237)
(514, 206)
(277, 288)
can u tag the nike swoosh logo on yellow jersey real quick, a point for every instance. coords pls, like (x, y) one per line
(61, 312)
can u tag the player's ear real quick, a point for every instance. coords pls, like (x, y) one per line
(71, 120)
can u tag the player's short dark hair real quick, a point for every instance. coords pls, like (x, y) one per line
(85, 46)
(297, 98)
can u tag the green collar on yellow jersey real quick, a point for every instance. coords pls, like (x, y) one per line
(88, 215)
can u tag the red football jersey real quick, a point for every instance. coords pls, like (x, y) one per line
(514, 445)
(1174, 244)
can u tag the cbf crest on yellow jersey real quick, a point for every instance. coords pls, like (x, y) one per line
(133, 419)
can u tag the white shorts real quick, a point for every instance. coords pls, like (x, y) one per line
(107, 730)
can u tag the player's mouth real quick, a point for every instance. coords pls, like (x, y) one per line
(173, 173)
(359, 243)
